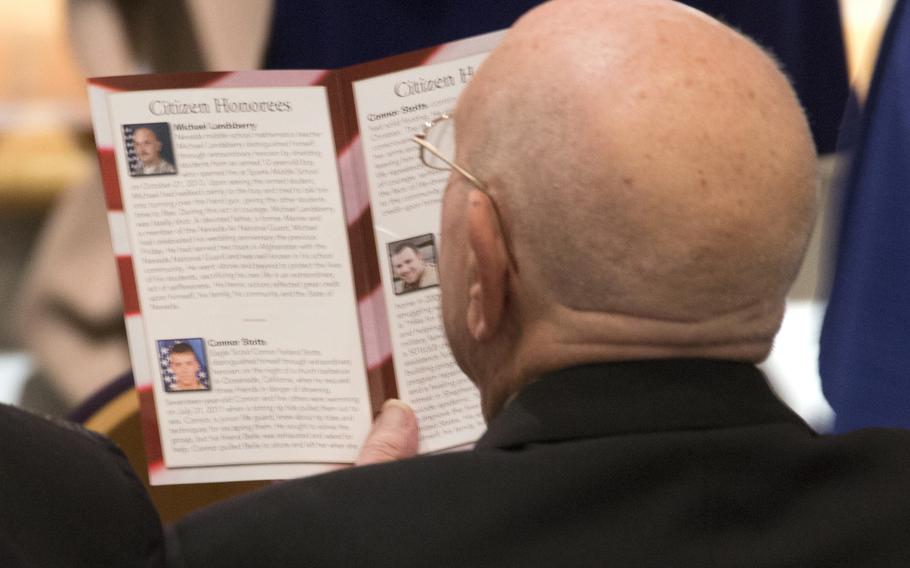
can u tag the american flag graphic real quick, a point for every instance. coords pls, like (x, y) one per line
(132, 160)
(164, 360)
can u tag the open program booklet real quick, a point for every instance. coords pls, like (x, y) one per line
(276, 237)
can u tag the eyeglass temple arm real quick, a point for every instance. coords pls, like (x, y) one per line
(476, 182)
(433, 150)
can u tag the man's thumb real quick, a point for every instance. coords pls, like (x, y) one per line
(393, 436)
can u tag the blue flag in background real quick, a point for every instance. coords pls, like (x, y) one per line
(865, 344)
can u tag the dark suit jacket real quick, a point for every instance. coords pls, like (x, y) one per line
(673, 463)
(69, 499)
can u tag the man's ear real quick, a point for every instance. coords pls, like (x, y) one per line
(488, 286)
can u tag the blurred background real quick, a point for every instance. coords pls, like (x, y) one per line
(61, 330)
(61, 333)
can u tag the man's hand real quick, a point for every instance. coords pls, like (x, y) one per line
(393, 436)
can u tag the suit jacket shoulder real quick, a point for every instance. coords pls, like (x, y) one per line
(69, 497)
(674, 463)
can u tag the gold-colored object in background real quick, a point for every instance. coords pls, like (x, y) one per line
(42, 104)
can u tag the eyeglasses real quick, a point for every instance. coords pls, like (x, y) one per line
(437, 148)
(437, 151)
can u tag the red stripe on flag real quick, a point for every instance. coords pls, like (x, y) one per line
(128, 285)
(108, 163)
(152, 82)
(150, 433)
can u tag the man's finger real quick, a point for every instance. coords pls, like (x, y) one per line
(393, 436)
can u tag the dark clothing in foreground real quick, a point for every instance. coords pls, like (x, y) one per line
(673, 463)
(69, 498)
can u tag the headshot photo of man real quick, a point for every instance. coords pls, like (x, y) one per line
(148, 149)
(413, 264)
(181, 367)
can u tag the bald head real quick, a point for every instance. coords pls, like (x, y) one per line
(147, 146)
(655, 175)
